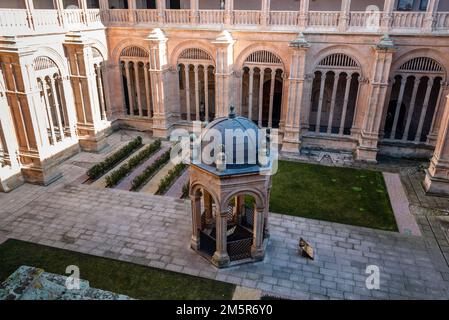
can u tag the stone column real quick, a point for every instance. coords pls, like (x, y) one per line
(206, 93)
(438, 114)
(56, 105)
(334, 95)
(10, 176)
(320, 101)
(187, 89)
(196, 221)
(387, 15)
(129, 87)
(430, 19)
(398, 107)
(303, 14)
(343, 22)
(223, 80)
(229, 8)
(92, 131)
(161, 6)
(437, 176)
(197, 93)
(194, 11)
(261, 80)
(265, 16)
(296, 95)
(101, 91)
(372, 115)
(221, 257)
(137, 87)
(424, 109)
(270, 110)
(345, 104)
(147, 89)
(160, 82)
(257, 251)
(411, 108)
(250, 93)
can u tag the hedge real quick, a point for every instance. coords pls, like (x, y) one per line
(171, 176)
(117, 175)
(107, 164)
(143, 178)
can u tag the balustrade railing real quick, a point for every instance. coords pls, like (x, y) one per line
(246, 17)
(211, 16)
(284, 18)
(409, 20)
(442, 21)
(324, 19)
(22, 21)
(177, 16)
(146, 15)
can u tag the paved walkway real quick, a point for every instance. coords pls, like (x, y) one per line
(175, 190)
(155, 231)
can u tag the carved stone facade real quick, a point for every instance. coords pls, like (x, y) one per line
(325, 77)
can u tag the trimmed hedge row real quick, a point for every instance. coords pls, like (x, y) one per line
(107, 164)
(117, 175)
(143, 178)
(171, 176)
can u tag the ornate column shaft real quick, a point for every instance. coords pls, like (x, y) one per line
(160, 82)
(257, 251)
(206, 93)
(398, 107)
(334, 95)
(250, 93)
(261, 80)
(270, 110)
(196, 221)
(223, 80)
(372, 116)
(92, 130)
(424, 109)
(411, 109)
(437, 176)
(296, 95)
(345, 104)
(187, 89)
(197, 93)
(221, 257)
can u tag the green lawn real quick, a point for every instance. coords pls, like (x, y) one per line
(136, 281)
(343, 195)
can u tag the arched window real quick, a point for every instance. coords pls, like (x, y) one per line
(334, 95)
(415, 95)
(261, 88)
(134, 65)
(52, 97)
(196, 85)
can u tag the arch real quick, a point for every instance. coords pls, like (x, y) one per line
(433, 54)
(129, 42)
(352, 52)
(60, 61)
(102, 48)
(263, 57)
(256, 194)
(240, 61)
(134, 52)
(43, 63)
(195, 54)
(185, 45)
(338, 60)
(197, 185)
(421, 64)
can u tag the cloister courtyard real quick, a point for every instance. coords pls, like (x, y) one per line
(130, 232)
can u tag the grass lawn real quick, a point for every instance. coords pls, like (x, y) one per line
(343, 195)
(136, 281)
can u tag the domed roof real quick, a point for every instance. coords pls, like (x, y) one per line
(240, 139)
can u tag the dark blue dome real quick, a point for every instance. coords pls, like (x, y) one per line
(242, 150)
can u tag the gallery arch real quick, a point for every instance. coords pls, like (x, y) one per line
(415, 95)
(261, 92)
(134, 66)
(334, 95)
(52, 100)
(196, 85)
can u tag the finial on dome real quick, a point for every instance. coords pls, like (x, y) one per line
(231, 112)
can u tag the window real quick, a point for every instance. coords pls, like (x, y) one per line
(405, 5)
(423, 5)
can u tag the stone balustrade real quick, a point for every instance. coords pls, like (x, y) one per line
(22, 21)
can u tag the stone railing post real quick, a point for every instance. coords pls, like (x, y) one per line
(303, 14)
(265, 15)
(387, 16)
(194, 11)
(343, 21)
(430, 19)
(229, 9)
(160, 6)
(131, 11)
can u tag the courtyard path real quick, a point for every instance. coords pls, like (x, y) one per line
(175, 190)
(155, 231)
(152, 185)
(126, 183)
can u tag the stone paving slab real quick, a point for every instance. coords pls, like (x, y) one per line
(399, 202)
(155, 231)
